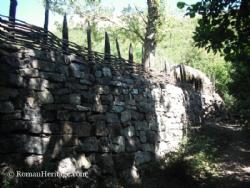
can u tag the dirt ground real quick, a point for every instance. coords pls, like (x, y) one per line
(233, 144)
(235, 160)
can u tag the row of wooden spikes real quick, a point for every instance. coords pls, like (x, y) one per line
(65, 35)
(107, 49)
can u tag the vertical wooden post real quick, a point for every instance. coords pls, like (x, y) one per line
(12, 11)
(89, 37)
(46, 18)
(130, 54)
(165, 66)
(89, 42)
(142, 53)
(118, 48)
(107, 47)
(46, 22)
(12, 17)
(65, 34)
(181, 73)
(184, 73)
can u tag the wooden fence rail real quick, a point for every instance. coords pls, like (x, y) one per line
(20, 33)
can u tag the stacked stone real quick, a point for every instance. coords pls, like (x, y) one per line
(55, 109)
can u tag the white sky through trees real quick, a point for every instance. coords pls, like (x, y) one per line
(32, 11)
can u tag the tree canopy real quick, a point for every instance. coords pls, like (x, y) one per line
(223, 26)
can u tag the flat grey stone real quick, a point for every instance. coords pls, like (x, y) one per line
(112, 118)
(125, 116)
(89, 144)
(142, 157)
(6, 107)
(118, 144)
(106, 72)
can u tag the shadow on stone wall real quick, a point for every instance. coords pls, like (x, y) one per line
(59, 113)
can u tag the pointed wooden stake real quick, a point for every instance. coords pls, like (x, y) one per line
(65, 34)
(46, 19)
(46, 23)
(12, 11)
(107, 47)
(165, 66)
(184, 73)
(89, 42)
(12, 17)
(142, 53)
(118, 48)
(181, 73)
(89, 37)
(130, 54)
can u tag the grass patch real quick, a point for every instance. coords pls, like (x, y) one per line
(193, 165)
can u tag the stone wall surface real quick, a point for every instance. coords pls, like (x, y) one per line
(62, 113)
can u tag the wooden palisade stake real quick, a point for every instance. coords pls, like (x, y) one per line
(89, 41)
(65, 34)
(12, 11)
(46, 22)
(130, 54)
(107, 47)
(118, 48)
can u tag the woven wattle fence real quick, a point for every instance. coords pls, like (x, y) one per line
(23, 34)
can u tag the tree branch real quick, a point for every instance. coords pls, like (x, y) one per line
(141, 15)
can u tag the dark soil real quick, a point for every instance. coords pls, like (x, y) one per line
(232, 142)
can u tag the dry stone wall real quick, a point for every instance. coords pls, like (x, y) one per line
(62, 113)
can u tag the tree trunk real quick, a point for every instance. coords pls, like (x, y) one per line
(151, 32)
(12, 11)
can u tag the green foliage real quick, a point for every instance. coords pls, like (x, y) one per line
(212, 65)
(202, 153)
(177, 46)
(6, 180)
(181, 5)
(71, 6)
(175, 43)
(224, 27)
(134, 24)
(239, 87)
(194, 164)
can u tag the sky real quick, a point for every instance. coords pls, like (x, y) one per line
(32, 11)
